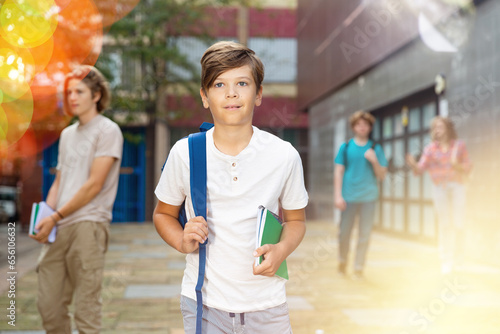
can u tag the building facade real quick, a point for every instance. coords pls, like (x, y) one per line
(390, 57)
(269, 29)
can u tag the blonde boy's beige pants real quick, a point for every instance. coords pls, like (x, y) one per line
(72, 267)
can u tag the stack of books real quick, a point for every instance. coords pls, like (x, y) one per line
(38, 212)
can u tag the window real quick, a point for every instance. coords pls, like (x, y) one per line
(279, 56)
(189, 53)
(406, 206)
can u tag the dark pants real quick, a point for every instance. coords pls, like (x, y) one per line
(365, 211)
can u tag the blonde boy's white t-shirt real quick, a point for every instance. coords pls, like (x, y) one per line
(267, 172)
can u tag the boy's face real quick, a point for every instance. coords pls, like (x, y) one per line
(80, 100)
(232, 97)
(362, 128)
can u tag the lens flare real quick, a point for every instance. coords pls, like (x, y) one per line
(79, 33)
(4, 124)
(16, 71)
(44, 99)
(28, 23)
(40, 42)
(42, 55)
(62, 3)
(114, 10)
(444, 25)
(18, 114)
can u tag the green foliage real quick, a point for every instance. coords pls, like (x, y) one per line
(145, 38)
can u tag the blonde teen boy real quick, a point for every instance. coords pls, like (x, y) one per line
(358, 166)
(246, 167)
(83, 194)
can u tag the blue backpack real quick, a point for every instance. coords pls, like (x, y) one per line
(198, 182)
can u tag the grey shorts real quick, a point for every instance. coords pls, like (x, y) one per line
(274, 320)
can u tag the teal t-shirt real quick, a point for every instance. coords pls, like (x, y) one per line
(359, 183)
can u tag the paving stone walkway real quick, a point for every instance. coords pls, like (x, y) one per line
(403, 292)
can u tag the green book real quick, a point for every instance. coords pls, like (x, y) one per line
(269, 227)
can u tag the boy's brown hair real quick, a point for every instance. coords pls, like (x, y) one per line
(94, 80)
(226, 55)
(358, 115)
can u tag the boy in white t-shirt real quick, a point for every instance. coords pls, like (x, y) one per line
(246, 167)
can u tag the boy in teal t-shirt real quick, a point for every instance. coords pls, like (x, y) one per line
(358, 167)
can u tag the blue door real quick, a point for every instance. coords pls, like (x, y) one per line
(130, 199)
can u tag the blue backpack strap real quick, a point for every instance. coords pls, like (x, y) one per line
(182, 212)
(206, 126)
(198, 181)
(345, 153)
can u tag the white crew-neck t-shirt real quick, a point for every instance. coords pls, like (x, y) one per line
(267, 172)
(79, 145)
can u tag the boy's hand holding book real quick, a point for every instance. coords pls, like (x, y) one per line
(270, 254)
(44, 227)
(273, 258)
(43, 223)
(195, 232)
